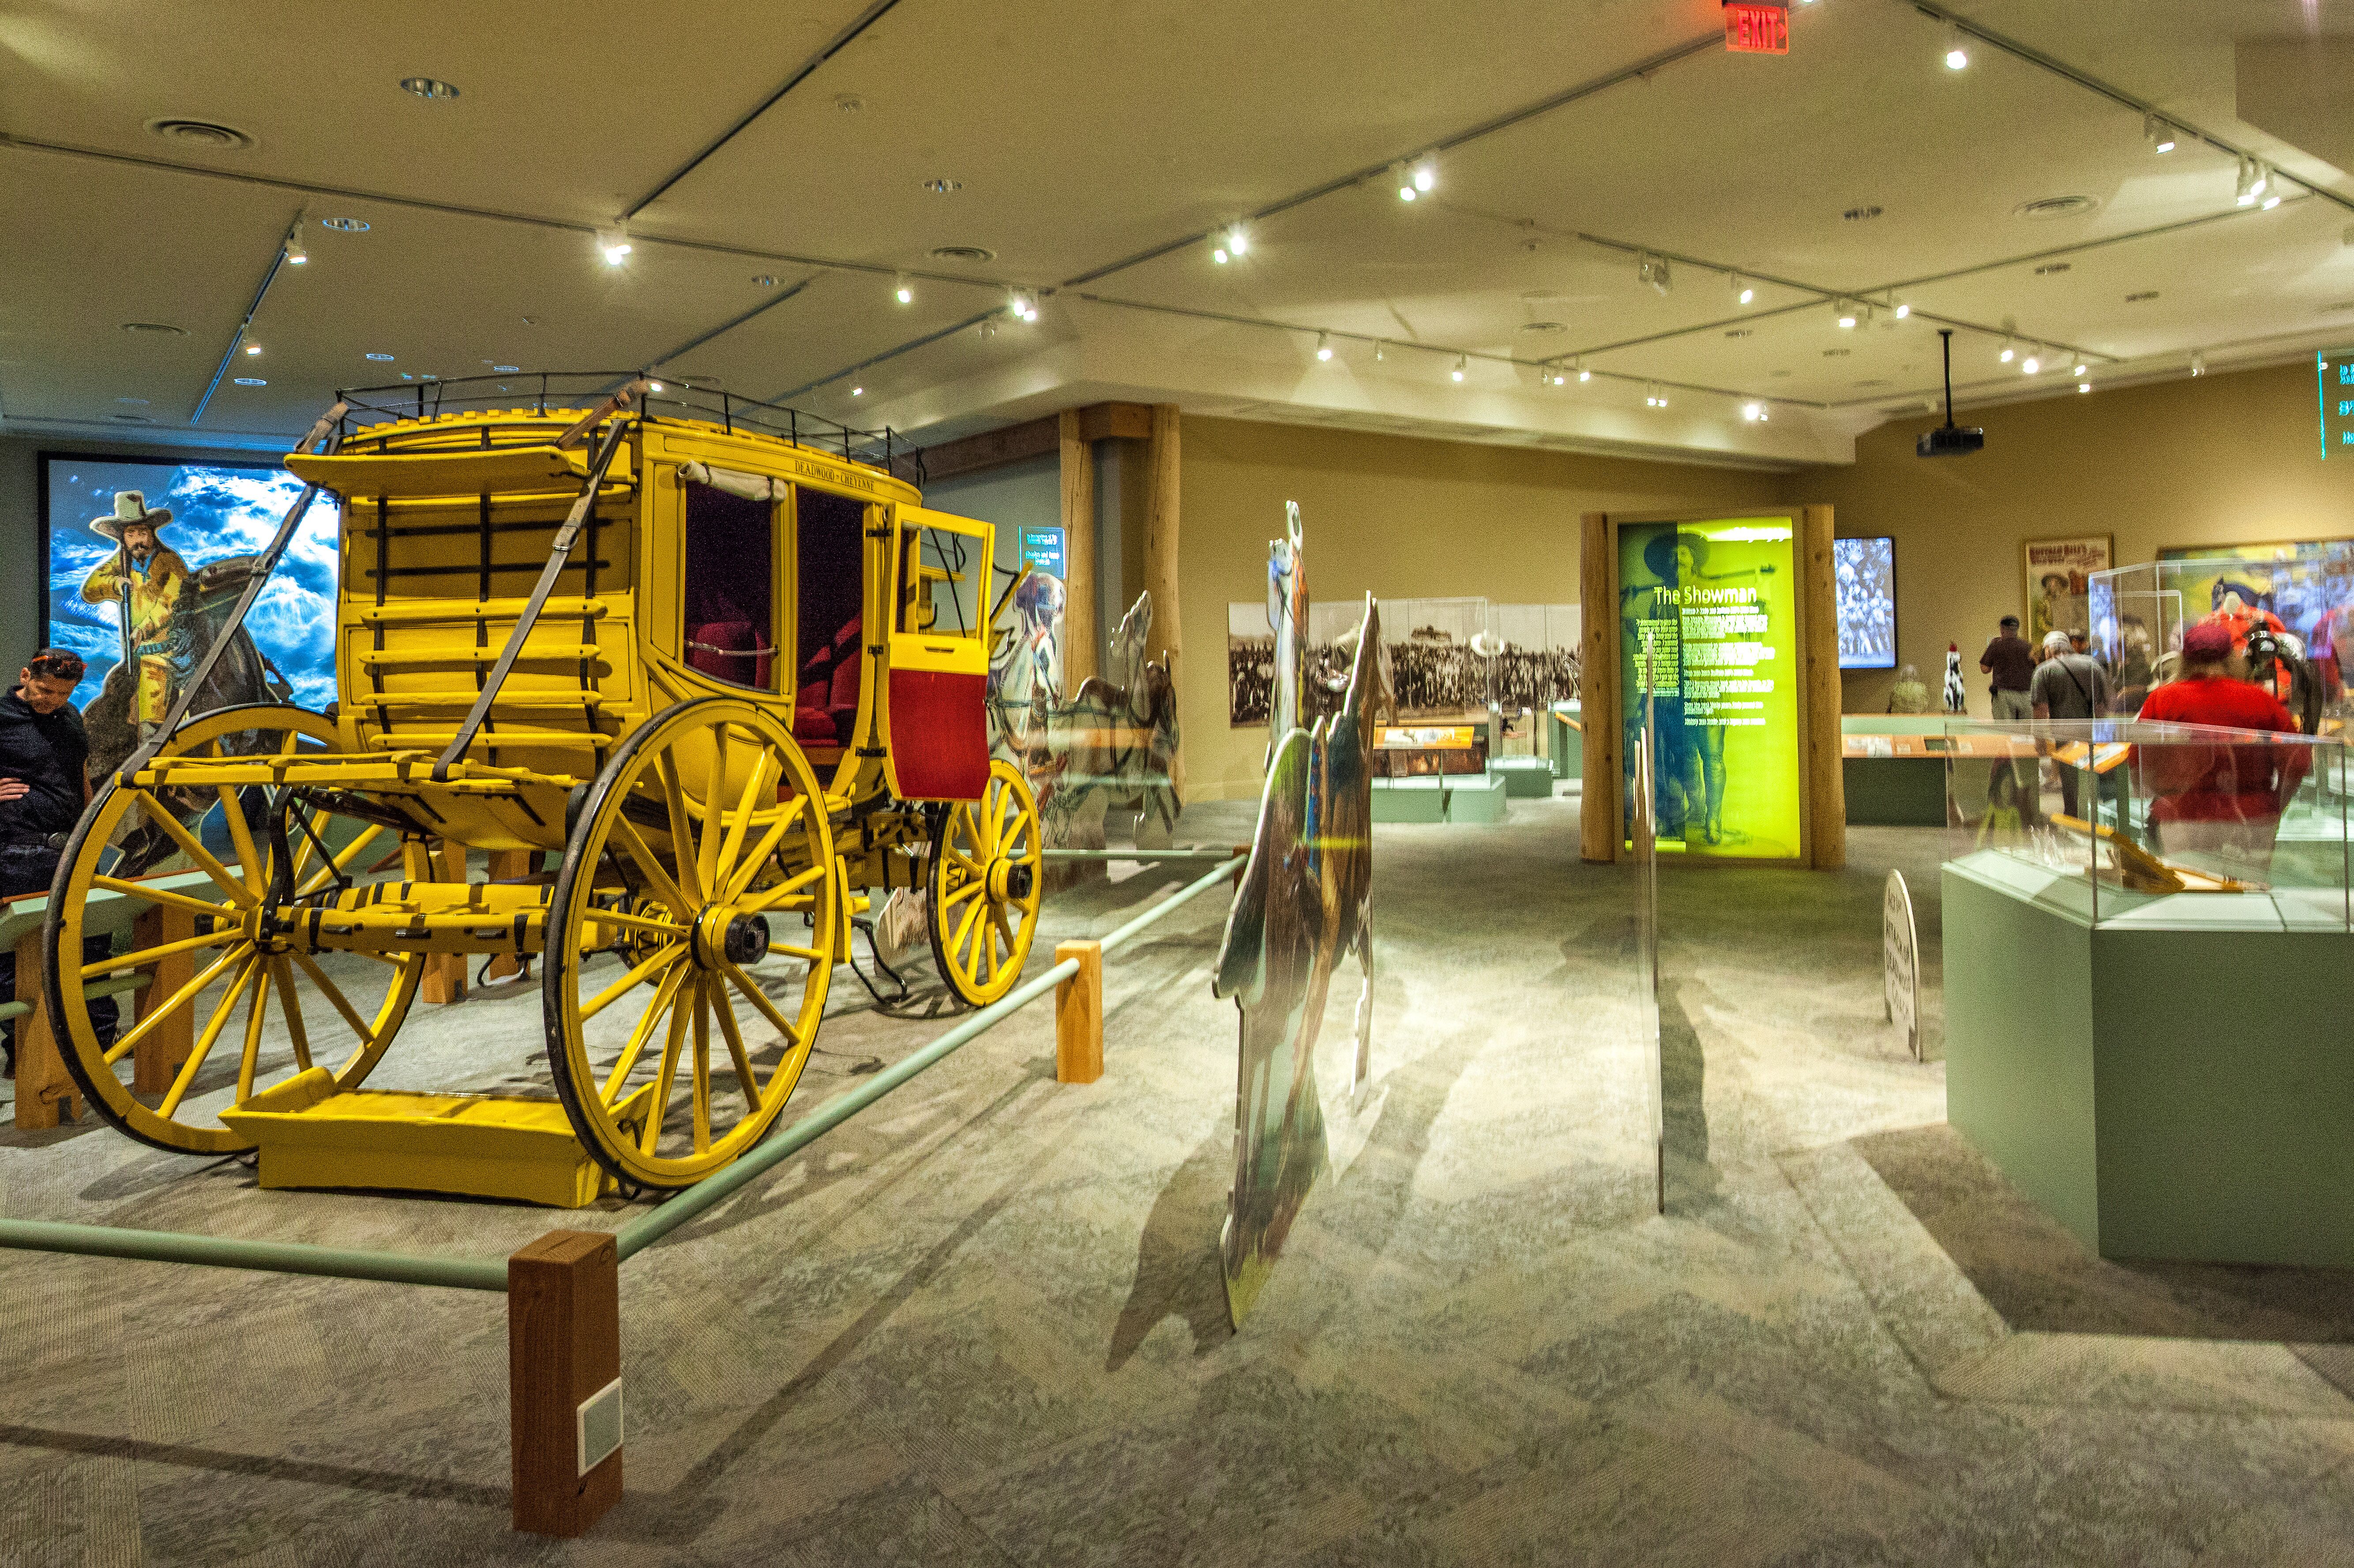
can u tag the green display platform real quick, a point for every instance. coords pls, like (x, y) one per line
(1525, 777)
(1567, 742)
(1895, 791)
(1466, 798)
(2176, 1084)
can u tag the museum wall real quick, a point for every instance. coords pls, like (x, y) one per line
(2220, 459)
(1391, 516)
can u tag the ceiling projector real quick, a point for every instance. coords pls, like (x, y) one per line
(1949, 439)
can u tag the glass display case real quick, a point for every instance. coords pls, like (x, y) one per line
(2120, 821)
(2290, 608)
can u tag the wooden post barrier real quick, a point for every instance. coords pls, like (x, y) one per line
(1079, 1016)
(155, 1061)
(44, 1095)
(564, 1374)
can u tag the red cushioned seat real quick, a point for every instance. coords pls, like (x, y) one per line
(732, 651)
(813, 727)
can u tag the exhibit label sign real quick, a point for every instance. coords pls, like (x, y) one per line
(1041, 550)
(1900, 954)
(1709, 626)
(2333, 371)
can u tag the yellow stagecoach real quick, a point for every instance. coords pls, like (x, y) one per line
(714, 653)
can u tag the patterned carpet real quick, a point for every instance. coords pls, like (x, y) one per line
(982, 1323)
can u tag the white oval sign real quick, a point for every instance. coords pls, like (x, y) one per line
(1901, 981)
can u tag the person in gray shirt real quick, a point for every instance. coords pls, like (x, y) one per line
(2068, 685)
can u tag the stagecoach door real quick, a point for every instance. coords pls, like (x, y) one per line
(940, 658)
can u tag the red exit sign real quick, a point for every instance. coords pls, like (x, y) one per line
(1756, 29)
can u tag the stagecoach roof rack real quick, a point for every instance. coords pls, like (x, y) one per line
(542, 392)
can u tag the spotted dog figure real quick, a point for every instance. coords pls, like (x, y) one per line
(1302, 902)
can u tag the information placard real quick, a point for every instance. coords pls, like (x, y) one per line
(2334, 375)
(1708, 622)
(1900, 954)
(1041, 550)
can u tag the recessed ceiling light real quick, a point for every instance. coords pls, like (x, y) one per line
(345, 225)
(426, 88)
(766, 280)
(2142, 298)
(903, 288)
(1863, 212)
(383, 358)
(2054, 206)
(1827, 354)
(2049, 268)
(962, 253)
(1544, 326)
(1740, 331)
(505, 370)
(849, 102)
(251, 381)
(253, 349)
(940, 185)
(131, 418)
(155, 327)
(139, 402)
(209, 135)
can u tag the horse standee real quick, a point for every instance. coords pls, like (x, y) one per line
(565, 629)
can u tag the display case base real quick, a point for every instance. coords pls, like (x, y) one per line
(1474, 797)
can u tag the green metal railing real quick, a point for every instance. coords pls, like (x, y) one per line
(491, 1273)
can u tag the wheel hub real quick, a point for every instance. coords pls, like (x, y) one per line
(721, 935)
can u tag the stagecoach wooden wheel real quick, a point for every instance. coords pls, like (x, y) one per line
(223, 949)
(985, 885)
(691, 938)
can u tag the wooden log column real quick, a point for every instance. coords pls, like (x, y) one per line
(1082, 637)
(1597, 593)
(1826, 779)
(1161, 552)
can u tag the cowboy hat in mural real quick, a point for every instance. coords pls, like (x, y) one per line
(131, 506)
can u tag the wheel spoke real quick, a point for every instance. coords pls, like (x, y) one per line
(203, 1046)
(145, 956)
(669, 953)
(701, 1081)
(241, 833)
(200, 857)
(158, 896)
(664, 1075)
(971, 886)
(664, 996)
(762, 1005)
(683, 852)
(283, 973)
(179, 999)
(726, 1008)
(336, 999)
(997, 918)
(791, 884)
(651, 866)
(636, 923)
(714, 813)
(725, 865)
(964, 930)
(257, 1013)
(749, 866)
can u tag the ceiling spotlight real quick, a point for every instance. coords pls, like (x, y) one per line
(426, 88)
(1024, 305)
(1424, 175)
(2159, 133)
(1462, 363)
(2008, 353)
(1653, 397)
(2030, 365)
(613, 245)
(988, 330)
(1901, 310)
(1957, 53)
(2251, 182)
(2084, 386)
(253, 348)
(1652, 269)
(1378, 355)
(2274, 189)
(1847, 315)
(1753, 412)
(904, 290)
(1237, 241)
(1742, 293)
(1218, 254)
(654, 385)
(250, 381)
(383, 357)
(1404, 182)
(858, 391)
(295, 255)
(1324, 345)
(2080, 372)
(1582, 374)
(2198, 364)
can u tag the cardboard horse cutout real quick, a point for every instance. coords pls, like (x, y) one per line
(1302, 902)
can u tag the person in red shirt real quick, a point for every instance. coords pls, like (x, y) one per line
(2213, 796)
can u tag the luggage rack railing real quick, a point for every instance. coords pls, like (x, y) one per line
(543, 391)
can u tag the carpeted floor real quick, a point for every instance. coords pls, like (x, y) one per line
(982, 1323)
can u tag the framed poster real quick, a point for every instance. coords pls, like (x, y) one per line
(1709, 628)
(2056, 573)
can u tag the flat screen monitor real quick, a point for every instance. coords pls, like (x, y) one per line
(222, 517)
(1863, 574)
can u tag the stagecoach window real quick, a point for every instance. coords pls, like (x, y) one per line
(730, 627)
(950, 597)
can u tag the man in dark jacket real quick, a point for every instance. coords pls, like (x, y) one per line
(43, 788)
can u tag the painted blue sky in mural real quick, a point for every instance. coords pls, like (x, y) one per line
(215, 512)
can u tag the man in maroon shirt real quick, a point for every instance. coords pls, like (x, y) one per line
(2215, 797)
